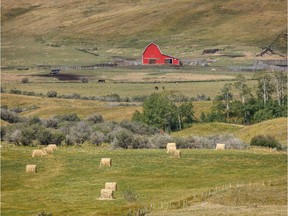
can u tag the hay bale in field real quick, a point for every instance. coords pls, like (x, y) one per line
(220, 146)
(107, 194)
(171, 147)
(106, 162)
(38, 153)
(175, 153)
(53, 146)
(111, 185)
(48, 150)
(31, 168)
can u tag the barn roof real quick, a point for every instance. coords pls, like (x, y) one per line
(152, 43)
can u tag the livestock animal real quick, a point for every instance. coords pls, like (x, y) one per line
(101, 81)
(220, 146)
(156, 88)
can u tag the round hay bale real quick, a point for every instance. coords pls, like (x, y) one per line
(31, 168)
(48, 150)
(53, 146)
(38, 153)
(220, 146)
(106, 162)
(175, 154)
(170, 147)
(111, 185)
(107, 194)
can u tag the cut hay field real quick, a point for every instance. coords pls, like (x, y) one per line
(69, 181)
(275, 127)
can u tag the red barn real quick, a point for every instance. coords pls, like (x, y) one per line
(153, 55)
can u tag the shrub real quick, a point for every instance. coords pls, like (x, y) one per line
(25, 80)
(80, 132)
(97, 138)
(16, 137)
(9, 116)
(130, 196)
(139, 128)
(265, 141)
(51, 123)
(15, 91)
(95, 119)
(57, 137)
(34, 120)
(28, 135)
(51, 94)
(44, 137)
(68, 117)
(84, 79)
(122, 139)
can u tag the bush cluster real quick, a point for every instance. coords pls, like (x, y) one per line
(69, 129)
(265, 141)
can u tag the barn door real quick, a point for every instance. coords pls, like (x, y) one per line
(168, 61)
(152, 61)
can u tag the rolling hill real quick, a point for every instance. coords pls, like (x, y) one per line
(133, 23)
(274, 127)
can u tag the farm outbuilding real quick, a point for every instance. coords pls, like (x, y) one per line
(153, 55)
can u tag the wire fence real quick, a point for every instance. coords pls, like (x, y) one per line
(201, 197)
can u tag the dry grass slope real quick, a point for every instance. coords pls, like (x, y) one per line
(130, 22)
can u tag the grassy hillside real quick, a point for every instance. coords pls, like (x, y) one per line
(134, 23)
(51, 32)
(69, 181)
(274, 127)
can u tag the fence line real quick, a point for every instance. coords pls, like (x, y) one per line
(196, 198)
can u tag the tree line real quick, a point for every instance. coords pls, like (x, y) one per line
(247, 107)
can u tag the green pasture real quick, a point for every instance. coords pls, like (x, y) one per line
(69, 181)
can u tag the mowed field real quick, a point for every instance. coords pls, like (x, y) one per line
(69, 181)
